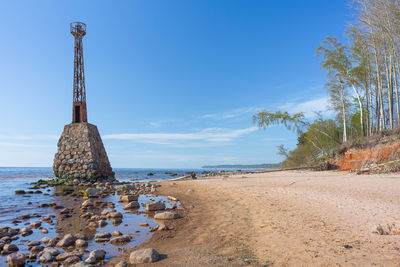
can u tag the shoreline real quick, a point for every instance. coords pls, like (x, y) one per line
(289, 218)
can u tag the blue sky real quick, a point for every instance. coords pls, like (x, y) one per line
(170, 84)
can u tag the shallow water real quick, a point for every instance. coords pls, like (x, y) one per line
(12, 206)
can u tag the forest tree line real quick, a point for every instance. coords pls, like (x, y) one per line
(363, 76)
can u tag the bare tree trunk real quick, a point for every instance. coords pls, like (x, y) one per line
(397, 90)
(343, 114)
(361, 109)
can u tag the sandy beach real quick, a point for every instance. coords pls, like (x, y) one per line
(296, 218)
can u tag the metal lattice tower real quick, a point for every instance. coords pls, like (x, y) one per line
(79, 112)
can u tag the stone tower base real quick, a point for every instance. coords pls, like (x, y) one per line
(81, 154)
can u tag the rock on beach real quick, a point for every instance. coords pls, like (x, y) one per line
(16, 259)
(167, 215)
(154, 206)
(146, 255)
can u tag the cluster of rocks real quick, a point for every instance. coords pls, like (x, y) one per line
(97, 213)
(49, 250)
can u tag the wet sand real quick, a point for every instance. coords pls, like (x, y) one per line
(295, 218)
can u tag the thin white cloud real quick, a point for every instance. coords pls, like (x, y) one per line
(8, 144)
(29, 137)
(308, 107)
(203, 137)
(235, 113)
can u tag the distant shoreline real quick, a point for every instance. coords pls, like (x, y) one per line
(253, 166)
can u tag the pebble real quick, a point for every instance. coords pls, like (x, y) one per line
(116, 233)
(172, 198)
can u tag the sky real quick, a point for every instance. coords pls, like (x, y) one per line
(170, 84)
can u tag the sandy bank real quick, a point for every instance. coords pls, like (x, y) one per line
(292, 218)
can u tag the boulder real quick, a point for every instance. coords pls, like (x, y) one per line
(36, 249)
(33, 243)
(102, 223)
(92, 192)
(121, 239)
(64, 256)
(116, 221)
(53, 242)
(66, 241)
(80, 243)
(102, 235)
(96, 256)
(153, 206)
(36, 225)
(129, 198)
(54, 252)
(114, 214)
(146, 255)
(16, 259)
(26, 231)
(10, 248)
(46, 257)
(166, 215)
(132, 205)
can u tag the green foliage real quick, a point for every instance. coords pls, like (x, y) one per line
(313, 147)
(264, 119)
